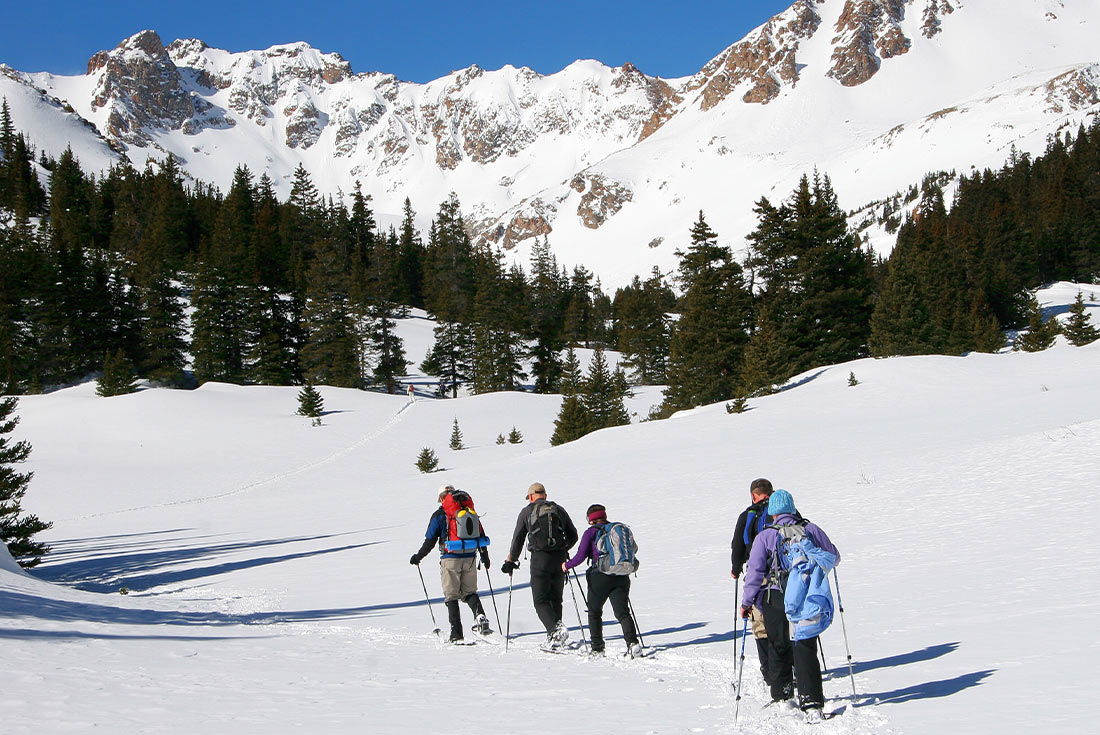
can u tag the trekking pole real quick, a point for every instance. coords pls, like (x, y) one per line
(843, 627)
(821, 651)
(493, 595)
(581, 588)
(736, 613)
(637, 628)
(578, 608)
(741, 669)
(427, 599)
(508, 631)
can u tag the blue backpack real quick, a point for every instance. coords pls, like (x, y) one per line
(616, 550)
(801, 570)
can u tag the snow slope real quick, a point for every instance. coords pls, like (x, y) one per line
(266, 561)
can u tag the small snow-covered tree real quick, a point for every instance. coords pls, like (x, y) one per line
(1040, 333)
(1078, 328)
(514, 436)
(456, 436)
(16, 528)
(427, 461)
(118, 376)
(310, 403)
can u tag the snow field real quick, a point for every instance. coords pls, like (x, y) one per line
(266, 561)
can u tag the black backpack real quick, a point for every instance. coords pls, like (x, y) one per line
(546, 530)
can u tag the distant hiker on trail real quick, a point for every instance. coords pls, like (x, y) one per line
(550, 534)
(611, 550)
(455, 527)
(750, 523)
(412, 394)
(790, 559)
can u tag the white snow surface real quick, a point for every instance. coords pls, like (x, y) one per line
(269, 589)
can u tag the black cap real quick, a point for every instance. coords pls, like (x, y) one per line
(761, 486)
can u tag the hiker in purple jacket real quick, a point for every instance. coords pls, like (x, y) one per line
(766, 592)
(603, 587)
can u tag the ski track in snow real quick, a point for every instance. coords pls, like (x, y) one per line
(393, 421)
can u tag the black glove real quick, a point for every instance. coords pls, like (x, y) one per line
(415, 559)
(485, 558)
(746, 611)
(509, 566)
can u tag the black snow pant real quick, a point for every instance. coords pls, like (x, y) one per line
(785, 652)
(547, 586)
(764, 651)
(454, 614)
(601, 588)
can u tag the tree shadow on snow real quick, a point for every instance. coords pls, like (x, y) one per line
(144, 569)
(74, 635)
(924, 654)
(929, 689)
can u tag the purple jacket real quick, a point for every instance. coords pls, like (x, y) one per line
(764, 549)
(587, 549)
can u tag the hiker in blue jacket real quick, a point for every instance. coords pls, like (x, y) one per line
(765, 583)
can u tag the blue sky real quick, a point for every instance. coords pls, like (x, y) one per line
(417, 41)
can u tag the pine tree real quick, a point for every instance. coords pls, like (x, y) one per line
(1078, 328)
(118, 376)
(1040, 333)
(852, 380)
(572, 421)
(456, 437)
(310, 402)
(514, 436)
(497, 349)
(450, 356)
(708, 340)
(602, 395)
(224, 290)
(427, 461)
(546, 314)
(331, 353)
(17, 529)
(643, 327)
(815, 305)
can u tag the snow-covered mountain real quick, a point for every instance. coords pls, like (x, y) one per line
(611, 164)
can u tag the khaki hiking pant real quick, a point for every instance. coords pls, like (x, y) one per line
(757, 618)
(459, 577)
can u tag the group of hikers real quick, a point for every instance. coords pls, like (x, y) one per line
(781, 558)
(549, 531)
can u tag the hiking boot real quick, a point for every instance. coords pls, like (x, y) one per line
(551, 643)
(559, 633)
(456, 636)
(481, 625)
(596, 653)
(786, 694)
(813, 715)
(634, 650)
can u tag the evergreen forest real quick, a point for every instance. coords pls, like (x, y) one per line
(140, 273)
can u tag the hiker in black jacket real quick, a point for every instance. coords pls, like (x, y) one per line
(751, 521)
(550, 534)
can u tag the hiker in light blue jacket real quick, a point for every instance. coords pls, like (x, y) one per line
(766, 578)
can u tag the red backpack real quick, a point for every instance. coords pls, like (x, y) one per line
(464, 531)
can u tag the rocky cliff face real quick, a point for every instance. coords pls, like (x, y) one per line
(764, 62)
(142, 88)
